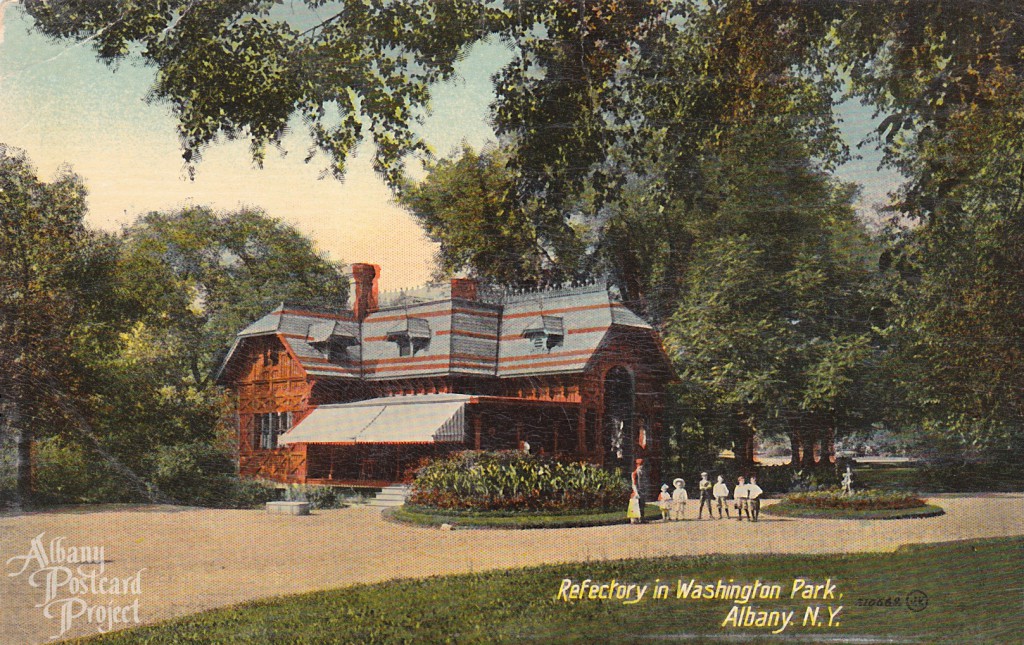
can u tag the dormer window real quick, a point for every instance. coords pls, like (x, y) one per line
(411, 336)
(333, 339)
(545, 332)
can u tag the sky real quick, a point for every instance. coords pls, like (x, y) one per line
(62, 106)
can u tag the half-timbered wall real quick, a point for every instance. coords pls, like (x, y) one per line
(274, 383)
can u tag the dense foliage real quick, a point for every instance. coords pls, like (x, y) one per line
(516, 480)
(686, 149)
(110, 342)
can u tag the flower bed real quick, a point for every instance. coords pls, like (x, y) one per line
(516, 481)
(859, 501)
(862, 505)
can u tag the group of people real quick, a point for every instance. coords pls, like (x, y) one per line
(746, 497)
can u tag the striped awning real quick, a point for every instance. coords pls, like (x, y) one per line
(425, 418)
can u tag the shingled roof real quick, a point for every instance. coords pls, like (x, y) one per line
(489, 336)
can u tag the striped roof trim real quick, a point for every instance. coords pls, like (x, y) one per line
(453, 336)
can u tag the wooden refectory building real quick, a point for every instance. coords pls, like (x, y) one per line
(357, 397)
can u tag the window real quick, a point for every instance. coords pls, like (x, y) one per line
(332, 339)
(411, 336)
(404, 345)
(545, 332)
(270, 356)
(268, 427)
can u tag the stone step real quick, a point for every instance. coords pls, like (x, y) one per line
(390, 496)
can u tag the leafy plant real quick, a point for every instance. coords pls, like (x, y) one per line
(513, 480)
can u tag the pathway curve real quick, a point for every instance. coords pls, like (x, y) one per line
(196, 559)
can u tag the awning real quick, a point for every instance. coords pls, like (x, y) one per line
(425, 418)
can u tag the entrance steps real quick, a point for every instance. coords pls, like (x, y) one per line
(393, 495)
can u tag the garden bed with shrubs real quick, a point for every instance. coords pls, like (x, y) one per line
(516, 481)
(513, 489)
(835, 504)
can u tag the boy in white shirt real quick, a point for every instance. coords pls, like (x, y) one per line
(704, 488)
(739, 497)
(754, 499)
(721, 493)
(679, 498)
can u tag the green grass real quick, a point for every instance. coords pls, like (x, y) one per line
(891, 477)
(973, 591)
(507, 520)
(787, 509)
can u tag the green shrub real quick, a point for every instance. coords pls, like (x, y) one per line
(194, 473)
(513, 480)
(858, 501)
(68, 473)
(201, 474)
(247, 493)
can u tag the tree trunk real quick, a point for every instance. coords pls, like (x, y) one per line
(794, 447)
(828, 444)
(745, 445)
(808, 438)
(10, 407)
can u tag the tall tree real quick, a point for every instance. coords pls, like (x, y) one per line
(465, 205)
(45, 258)
(952, 127)
(200, 276)
(773, 327)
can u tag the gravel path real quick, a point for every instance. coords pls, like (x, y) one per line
(195, 559)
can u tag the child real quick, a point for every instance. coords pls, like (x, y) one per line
(679, 498)
(754, 499)
(721, 493)
(739, 496)
(704, 488)
(664, 502)
(633, 510)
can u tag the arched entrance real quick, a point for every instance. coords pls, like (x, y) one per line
(618, 419)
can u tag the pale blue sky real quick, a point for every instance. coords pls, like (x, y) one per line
(62, 106)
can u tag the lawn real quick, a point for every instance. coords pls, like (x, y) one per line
(972, 591)
(892, 477)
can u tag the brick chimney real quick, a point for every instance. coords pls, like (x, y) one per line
(364, 278)
(464, 288)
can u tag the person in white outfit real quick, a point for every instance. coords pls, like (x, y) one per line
(754, 499)
(739, 497)
(721, 493)
(679, 498)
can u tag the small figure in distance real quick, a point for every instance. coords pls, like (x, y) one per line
(721, 493)
(664, 502)
(739, 497)
(753, 499)
(640, 486)
(704, 489)
(679, 498)
(633, 510)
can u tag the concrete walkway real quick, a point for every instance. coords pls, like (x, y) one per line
(196, 559)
